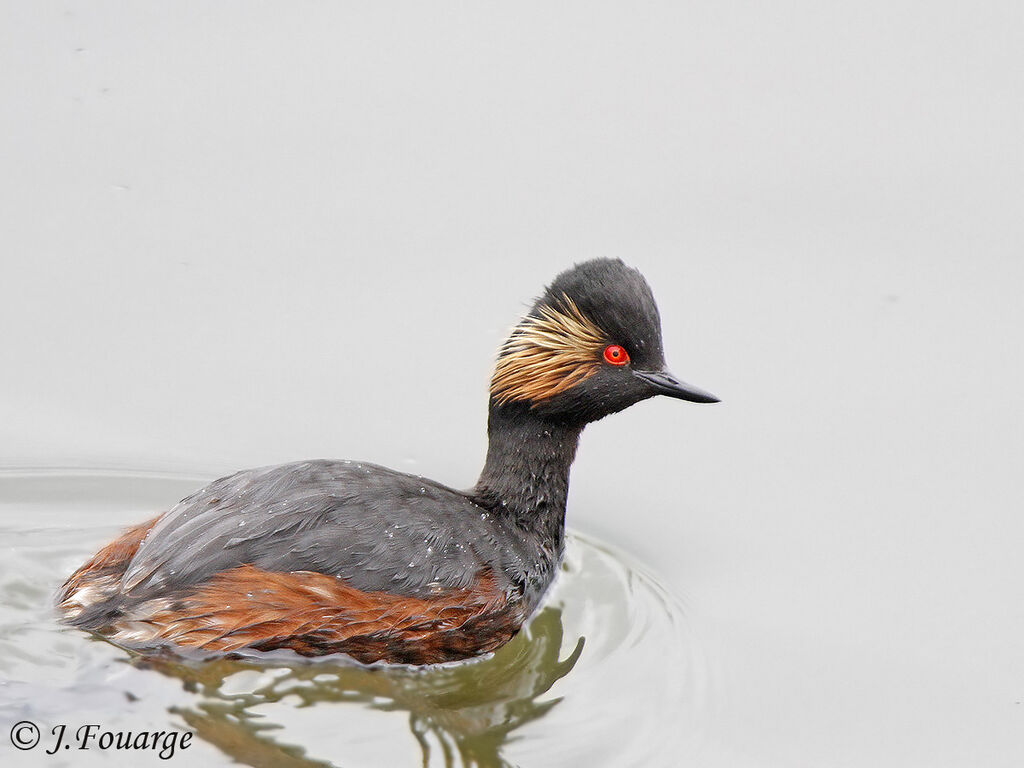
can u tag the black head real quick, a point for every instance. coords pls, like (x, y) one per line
(589, 347)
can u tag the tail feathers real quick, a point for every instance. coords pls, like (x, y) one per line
(91, 598)
(93, 606)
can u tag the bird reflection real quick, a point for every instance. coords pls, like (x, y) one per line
(461, 715)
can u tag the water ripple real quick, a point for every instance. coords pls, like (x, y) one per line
(610, 672)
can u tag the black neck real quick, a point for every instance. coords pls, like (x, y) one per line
(526, 475)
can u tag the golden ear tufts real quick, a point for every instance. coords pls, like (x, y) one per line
(547, 354)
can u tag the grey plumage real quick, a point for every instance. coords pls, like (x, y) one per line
(328, 556)
(379, 529)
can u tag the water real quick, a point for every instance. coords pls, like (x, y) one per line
(609, 646)
(235, 235)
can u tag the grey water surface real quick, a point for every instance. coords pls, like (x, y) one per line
(239, 234)
(607, 633)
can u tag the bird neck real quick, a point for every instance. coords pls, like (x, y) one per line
(525, 478)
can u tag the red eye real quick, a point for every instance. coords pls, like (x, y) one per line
(616, 355)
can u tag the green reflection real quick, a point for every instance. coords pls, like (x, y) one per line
(460, 715)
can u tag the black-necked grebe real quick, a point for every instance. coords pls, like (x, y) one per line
(342, 557)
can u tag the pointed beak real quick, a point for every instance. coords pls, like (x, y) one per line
(664, 383)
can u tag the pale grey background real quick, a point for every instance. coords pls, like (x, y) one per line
(242, 233)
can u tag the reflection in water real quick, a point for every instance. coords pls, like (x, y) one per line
(643, 693)
(461, 714)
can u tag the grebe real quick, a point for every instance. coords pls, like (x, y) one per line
(328, 557)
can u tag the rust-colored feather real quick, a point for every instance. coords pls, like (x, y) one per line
(98, 578)
(314, 614)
